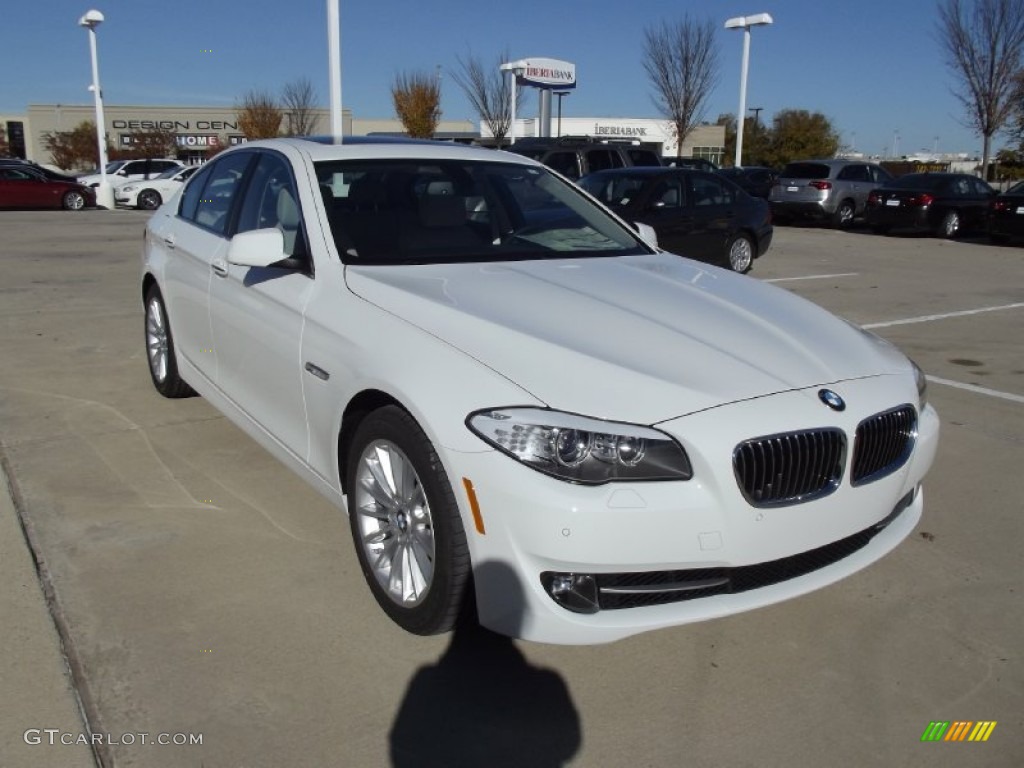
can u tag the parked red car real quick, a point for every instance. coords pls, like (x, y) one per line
(24, 187)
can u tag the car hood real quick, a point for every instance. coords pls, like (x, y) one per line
(639, 338)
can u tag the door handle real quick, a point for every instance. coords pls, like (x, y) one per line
(220, 267)
(170, 242)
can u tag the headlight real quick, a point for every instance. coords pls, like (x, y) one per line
(581, 449)
(129, 188)
(922, 386)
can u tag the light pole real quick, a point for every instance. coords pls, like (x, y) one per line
(516, 70)
(104, 193)
(334, 69)
(744, 23)
(560, 94)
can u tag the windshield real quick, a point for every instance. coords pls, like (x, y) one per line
(423, 212)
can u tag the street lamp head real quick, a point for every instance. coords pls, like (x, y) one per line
(91, 19)
(742, 22)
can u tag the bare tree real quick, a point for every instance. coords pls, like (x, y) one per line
(417, 98)
(983, 41)
(259, 116)
(298, 99)
(488, 90)
(681, 59)
(75, 148)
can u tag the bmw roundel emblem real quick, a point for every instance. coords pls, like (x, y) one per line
(831, 399)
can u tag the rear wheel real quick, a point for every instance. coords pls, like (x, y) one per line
(73, 201)
(844, 214)
(149, 199)
(405, 523)
(740, 254)
(163, 367)
(949, 227)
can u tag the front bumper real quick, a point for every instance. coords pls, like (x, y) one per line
(536, 525)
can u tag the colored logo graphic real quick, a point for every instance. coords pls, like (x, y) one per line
(958, 730)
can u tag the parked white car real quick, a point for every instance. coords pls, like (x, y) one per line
(149, 194)
(131, 170)
(517, 399)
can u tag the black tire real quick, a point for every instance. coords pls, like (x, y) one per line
(160, 352)
(739, 254)
(949, 227)
(403, 524)
(149, 199)
(845, 212)
(73, 201)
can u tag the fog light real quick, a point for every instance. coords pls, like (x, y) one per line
(576, 592)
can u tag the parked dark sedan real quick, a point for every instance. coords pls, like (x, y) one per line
(24, 187)
(694, 213)
(1006, 214)
(755, 180)
(944, 204)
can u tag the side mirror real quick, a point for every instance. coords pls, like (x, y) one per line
(647, 233)
(257, 248)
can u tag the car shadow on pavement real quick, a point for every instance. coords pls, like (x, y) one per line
(484, 704)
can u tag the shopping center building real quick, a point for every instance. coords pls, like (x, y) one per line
(198, 129)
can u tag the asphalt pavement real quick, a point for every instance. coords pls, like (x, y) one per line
(170, 590)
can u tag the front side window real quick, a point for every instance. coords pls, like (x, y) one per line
(421, 212)
(208, 199)
(614, 189)
(708, 191)
(271, 201)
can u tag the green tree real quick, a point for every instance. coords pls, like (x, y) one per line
(757, 140)
(797, 134)
(417, 98)
(4, 147)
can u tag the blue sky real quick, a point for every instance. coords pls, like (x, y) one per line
(872, 66)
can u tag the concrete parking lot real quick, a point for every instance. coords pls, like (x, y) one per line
(191, 589)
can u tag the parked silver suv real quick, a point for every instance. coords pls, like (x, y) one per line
(834, 190)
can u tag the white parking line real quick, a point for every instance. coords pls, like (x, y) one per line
(978, 390)
(929, 318)
(811, 277)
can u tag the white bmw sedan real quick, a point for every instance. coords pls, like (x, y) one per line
(522, 405)
(149, 194)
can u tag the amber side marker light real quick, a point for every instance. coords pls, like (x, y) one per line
(474, 506)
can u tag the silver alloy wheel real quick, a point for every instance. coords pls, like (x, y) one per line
(394, 525)
(845, 214)
(156, 339)
(74, 201)
(741, 254)
(951, 224)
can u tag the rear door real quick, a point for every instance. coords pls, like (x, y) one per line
(197, 237)
(714, 215)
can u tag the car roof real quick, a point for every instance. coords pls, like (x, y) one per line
(322, 148)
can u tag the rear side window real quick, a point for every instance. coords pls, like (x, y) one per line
(603, 160)
(806, 171)
(565, 163)
(707, 190)
(643, 157)
(854, 173)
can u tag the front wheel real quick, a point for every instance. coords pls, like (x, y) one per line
(405, 523)
(163, 367)
(73, 201)
(149, 200)
(740, 254)
(949, 227)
